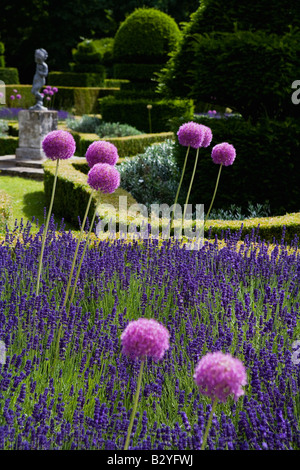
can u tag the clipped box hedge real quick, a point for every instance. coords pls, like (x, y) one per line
(267, 228)
(6, 210)
(72, 193)
(9, 75)
(135, 113)
(80, 100)
(8, 145)
(127, 146)
(76, 79)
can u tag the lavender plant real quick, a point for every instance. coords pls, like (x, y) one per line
(236, 298)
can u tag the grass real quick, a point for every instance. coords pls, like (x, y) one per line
(28, 199)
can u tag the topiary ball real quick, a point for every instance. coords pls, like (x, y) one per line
(146, 36)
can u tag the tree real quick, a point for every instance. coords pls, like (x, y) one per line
(245, 57)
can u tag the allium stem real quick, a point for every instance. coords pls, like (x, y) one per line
(213, 409)
(136, 399)
(46, 229)
(191, 184)
(216, 187)
(77, 248)
(82, 257)
(179, 186)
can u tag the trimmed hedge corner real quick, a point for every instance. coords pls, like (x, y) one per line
(6, 211)
(72, 193)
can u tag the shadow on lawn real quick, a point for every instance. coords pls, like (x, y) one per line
(33, 206)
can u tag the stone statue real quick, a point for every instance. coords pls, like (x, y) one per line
(39, 79)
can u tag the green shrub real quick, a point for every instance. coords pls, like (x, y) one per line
(266, 167)
(146, 36)
(86, 124)
(151, 177)
(9, 75)
(72, 79)
(2, 58)
(6, 210)
(127, 146)
(135, 112)
(137, 72)
(236, 57)
(27, 99)
(72, 193)
(8, 145)
(115, 129)
(223, 68)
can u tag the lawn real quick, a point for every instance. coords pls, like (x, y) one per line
(28, 200)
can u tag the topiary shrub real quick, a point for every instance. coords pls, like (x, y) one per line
(146, 36)
(143, 42)
(237, 58)
(9, 75)
(88, 60)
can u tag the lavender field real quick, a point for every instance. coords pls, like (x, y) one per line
(236, 297)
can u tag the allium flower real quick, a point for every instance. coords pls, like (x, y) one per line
(219, 375)
(15, 90)
(18, 96)
(223, 154)
(54, 89)
(207, 136)
(12, 97)
(48, 98)
(191, 134)
(145, 338)
(45, 91)
(59, 145)
(104, 177)
(101, 151)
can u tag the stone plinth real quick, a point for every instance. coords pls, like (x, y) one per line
(33, 127)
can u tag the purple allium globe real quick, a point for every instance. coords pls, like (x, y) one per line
(223, 153)
(145, 338)
(207, 136)
(59, 145)
(104, 177)
(219, 375)
(101, 152)
(191, 134)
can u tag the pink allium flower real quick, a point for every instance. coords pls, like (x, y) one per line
(101, 151)
(54, 89)
(15, 90)
(191, 134)
(45, 91)
(18, 96)
(12, 97)
(104, 177)
(223, 154)
(207, 136)
(50, 92)
(145, 338)
(219, 375)
(59, 145)
(48, 98)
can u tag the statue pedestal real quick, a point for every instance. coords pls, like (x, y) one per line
(33, 127)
